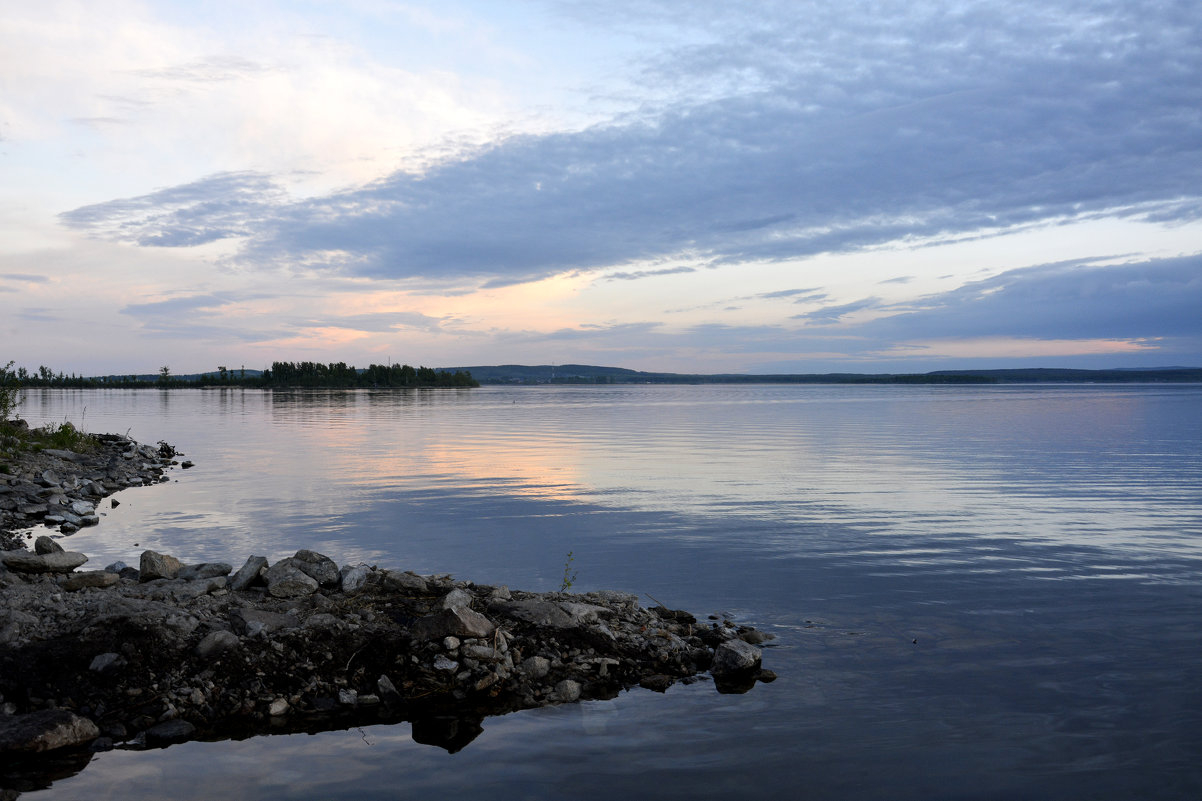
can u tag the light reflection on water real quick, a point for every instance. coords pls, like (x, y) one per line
(987, 591)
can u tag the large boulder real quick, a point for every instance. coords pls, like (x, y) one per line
(46, 730)
(735, 658)
(26, 562)
(248, 574)
(45, 545)
(154, 565)
(286, 580)
(319, 567)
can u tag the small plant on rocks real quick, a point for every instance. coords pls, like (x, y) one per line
(569, 575)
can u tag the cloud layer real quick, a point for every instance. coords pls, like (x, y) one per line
(846, 131)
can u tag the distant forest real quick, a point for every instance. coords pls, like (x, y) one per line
(519, 374)
(282, 375)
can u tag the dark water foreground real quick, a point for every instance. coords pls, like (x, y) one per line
(977, 593)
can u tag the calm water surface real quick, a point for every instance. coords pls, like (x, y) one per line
(987, 592)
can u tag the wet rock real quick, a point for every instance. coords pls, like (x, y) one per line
(154, 565)
(47, 730)
(657, 682)
(735, 657)
(169, 733)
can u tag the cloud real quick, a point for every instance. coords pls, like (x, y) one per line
(175, 306)
(833, 314)
(636, 275)
(218, 207)
(381, 322)
(1146, 300)
(24, 277)
(822, 130)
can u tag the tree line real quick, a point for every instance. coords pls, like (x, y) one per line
(280, 375)
(339, 374)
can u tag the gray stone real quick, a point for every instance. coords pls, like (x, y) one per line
(102, 663)
(354, 579)
(248, 573)
(286, 580)
(735, 657)
(278, 708)
(348, 697)
(567, 691)
(319, 567)
(216, 643)
(460, 622)
(47, 730)
(82, 508)
(482, 653)
(583, 613)
(44, 545)
(387, 690)
(97, 579)
(254, 622)
(536, 667)
(540, 613)
(26, 562)
(155, 565)
(169, 733)
(205, 570)
(444, 664)
(406, 582)
(67, 456)
(457, 598)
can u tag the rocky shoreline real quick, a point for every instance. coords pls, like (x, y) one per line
(63, 488)
(165, 652)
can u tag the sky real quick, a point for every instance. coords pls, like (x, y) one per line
(704, 187)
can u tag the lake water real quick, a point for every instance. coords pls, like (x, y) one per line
(978, 592)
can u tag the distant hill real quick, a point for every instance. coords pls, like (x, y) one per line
(593, 374)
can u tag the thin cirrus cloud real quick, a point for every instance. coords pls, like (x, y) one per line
(910, 121)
